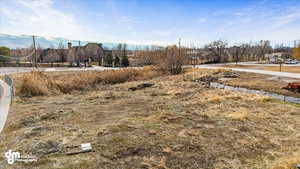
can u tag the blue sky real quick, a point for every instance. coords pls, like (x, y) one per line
(153, 21)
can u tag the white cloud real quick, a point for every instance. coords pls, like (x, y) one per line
(260, 21)
(35, 3)
(287, 18)
(39, 17)
(161, 32)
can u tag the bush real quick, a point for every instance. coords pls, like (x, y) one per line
(172, 60)
(4, 51)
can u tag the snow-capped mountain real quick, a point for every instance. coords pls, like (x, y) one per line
(24, 41)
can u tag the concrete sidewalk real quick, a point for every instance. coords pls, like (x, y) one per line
(255, 64)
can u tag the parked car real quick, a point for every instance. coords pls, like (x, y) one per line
(291, 61)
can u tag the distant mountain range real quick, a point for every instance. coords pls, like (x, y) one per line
(25, 41)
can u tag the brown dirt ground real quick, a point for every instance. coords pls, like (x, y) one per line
(177, 123)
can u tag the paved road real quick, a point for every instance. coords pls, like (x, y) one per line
(14, 70)
(273, 73)
(5, 100)
(255, 64)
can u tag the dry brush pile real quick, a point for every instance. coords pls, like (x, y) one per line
(39, 83)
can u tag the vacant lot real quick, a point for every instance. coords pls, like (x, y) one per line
(263, 82)
(177, 123)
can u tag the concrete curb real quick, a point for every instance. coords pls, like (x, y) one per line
(5, 101)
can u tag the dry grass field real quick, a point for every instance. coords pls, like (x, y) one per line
(177, 123)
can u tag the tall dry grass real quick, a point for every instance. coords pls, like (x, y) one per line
(41, 83)
(34, 84)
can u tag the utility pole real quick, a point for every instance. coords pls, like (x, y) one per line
(179, 45)
(35, 54)
(79, 52)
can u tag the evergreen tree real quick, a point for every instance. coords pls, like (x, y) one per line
(124, 61)
(108, 60)
(117, 61)
(4, 51)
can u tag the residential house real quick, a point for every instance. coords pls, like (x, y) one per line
(53, 55)
(91, 51)
(73, 54)
(278, 56)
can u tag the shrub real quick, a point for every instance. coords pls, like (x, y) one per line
(4, 51)
(172, 60)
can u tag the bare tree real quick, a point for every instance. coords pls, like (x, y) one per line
(118, 50)
(239, 52)
(100, 54)
(264, 47)
(62, 53)
(284, 49)
(39, 52)
(219, 50)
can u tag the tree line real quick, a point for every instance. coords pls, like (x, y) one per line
(221, 51)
